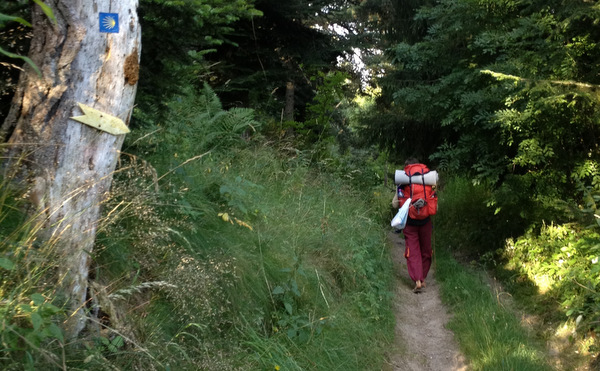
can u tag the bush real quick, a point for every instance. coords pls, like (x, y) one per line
(465, 222)
(562, 261)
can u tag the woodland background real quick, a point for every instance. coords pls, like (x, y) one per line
(246, 229)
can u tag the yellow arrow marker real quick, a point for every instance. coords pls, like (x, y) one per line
(101, 121)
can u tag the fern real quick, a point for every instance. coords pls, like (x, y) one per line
(196, 123)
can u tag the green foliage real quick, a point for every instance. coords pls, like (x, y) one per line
(4, 18)
(15, 33)
(27, 329)
(562, 262)
(320, 282)
(507, 86)
(323, 126)
(177, 36)
(489, 334)
(7, 18)
(5, 24)
(327, 99)
(239, 195)
(26, 59)
(267, 52)
(111, 346)
(303, 283)
(30, 312)
(288, 315)
(261, 259)
(195, 124)
(469, 221)
(550, 270)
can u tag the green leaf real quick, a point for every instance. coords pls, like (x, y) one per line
(29, 364)
(295, 288)
(104, 341)
(6, 264)
(29, 61)
(288, 308)
(49, 309)
(36, 320)
(46, 9)
(118, 342)
(8, 18)
(224, 189)
(37, 299)
(278, 290)
(56, 332)
(34, 338)
(303, 336)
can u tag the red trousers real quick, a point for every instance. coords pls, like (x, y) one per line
(418, 250)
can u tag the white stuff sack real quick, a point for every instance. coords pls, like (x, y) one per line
(430, 178)
(399, 221)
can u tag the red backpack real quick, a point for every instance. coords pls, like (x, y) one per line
(418, 191)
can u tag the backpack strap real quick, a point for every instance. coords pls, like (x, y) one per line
(423, 180)
(410, 185)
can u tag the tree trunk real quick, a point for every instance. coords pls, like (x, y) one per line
(288, 113)
(68, 165)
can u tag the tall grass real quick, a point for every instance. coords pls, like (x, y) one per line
(30, 308)
(215, 252)
(268, 262)
(323, 269)
(310, 262)
(550, 268)
(489, 333)
(272, 266)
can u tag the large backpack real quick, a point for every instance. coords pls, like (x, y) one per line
(418, 209)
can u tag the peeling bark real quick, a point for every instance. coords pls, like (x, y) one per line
(68, 165)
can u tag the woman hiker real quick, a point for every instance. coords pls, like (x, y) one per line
(417, 233)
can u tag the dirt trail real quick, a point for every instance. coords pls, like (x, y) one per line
(422, 340)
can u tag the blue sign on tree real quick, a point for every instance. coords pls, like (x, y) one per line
(109, 22)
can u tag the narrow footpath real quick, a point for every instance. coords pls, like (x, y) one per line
(423, 343)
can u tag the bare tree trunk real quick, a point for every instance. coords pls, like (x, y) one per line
(288, 113)
(69, 165)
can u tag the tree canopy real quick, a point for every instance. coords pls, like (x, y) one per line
(504, 91)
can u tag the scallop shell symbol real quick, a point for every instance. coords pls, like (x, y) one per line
(109, 22)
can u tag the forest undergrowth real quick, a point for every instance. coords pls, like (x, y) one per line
(215, 252)
(523, 302)
(254, 239)
(223, 249)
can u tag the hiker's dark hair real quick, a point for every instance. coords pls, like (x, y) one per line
(410, 161)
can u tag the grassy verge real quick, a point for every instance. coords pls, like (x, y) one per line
(548, 269)
(489, 333)
(241, 260)
(214, 252)
(313, 275)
